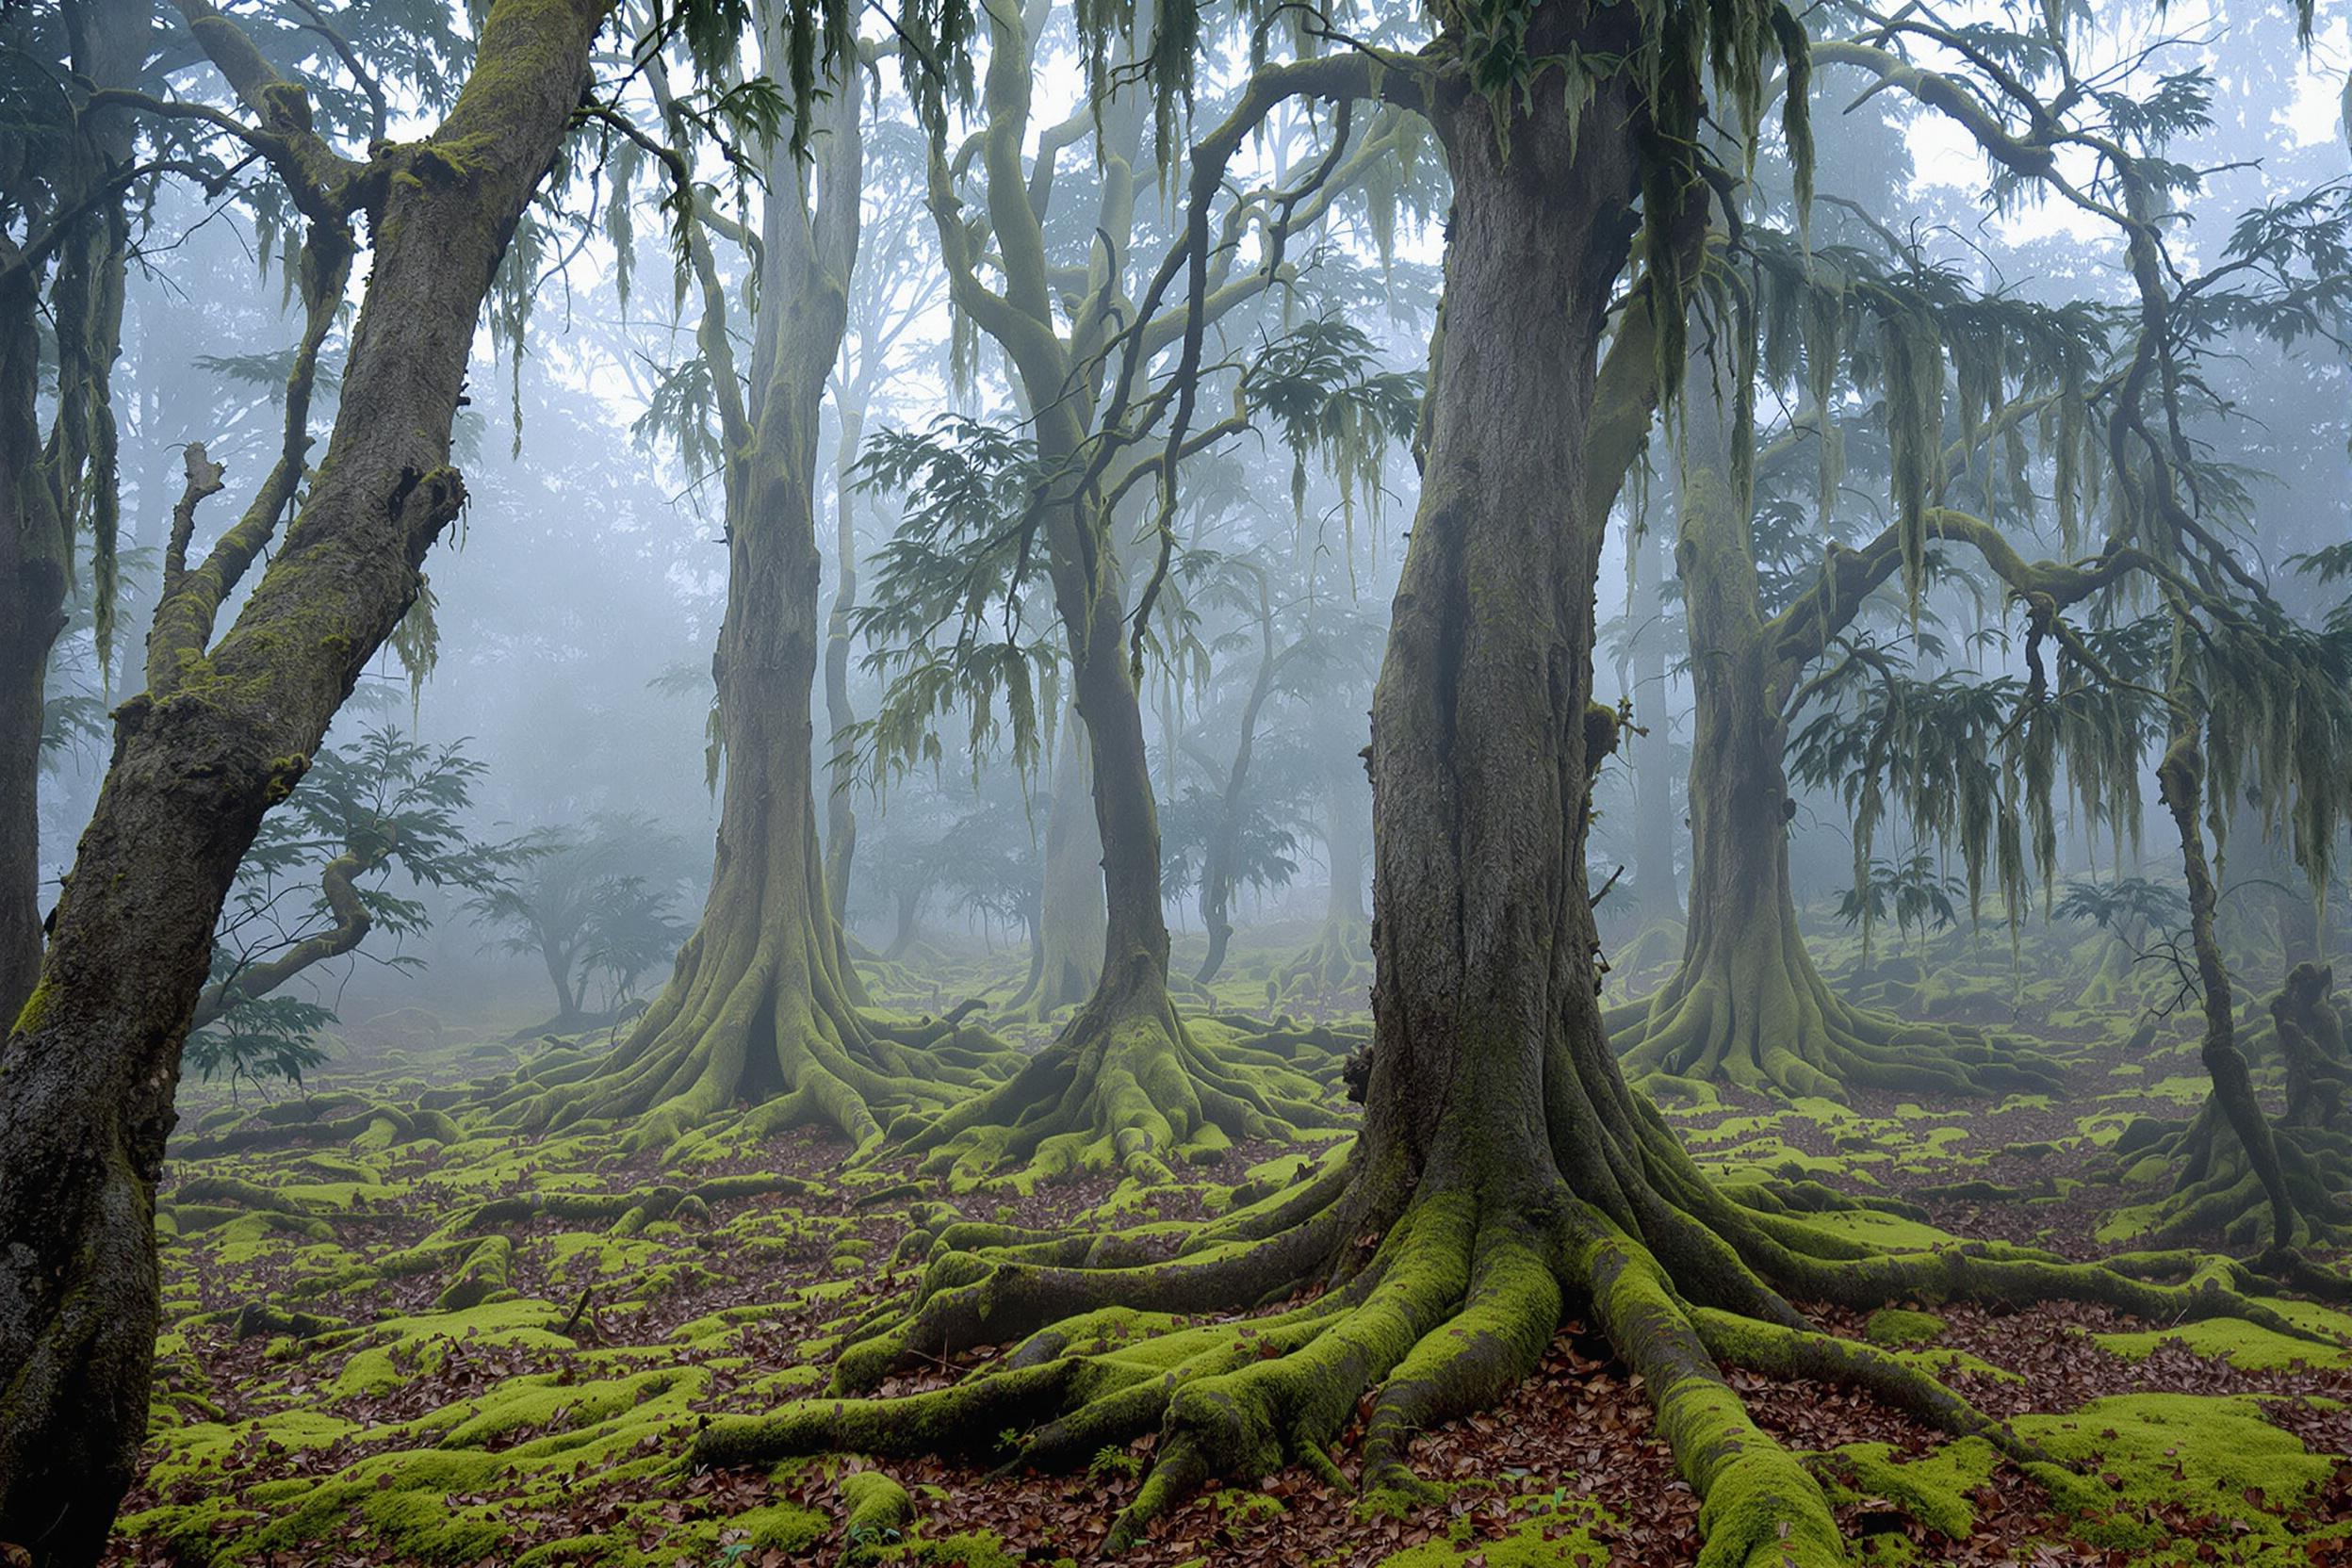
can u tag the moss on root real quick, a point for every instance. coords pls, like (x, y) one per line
(1127, 1085)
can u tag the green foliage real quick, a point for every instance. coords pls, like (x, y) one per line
(387, 805)
(944, 620)
(272, 1040)
(1912, 890)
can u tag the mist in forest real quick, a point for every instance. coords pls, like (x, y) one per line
(1210, 746)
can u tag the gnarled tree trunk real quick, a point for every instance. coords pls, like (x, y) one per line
(87, 1078)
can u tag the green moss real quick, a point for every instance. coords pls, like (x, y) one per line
(2246, 1345)
(1894, 1327)
(2207, 1456)
(1933, 1489)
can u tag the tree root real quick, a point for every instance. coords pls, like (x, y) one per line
(1334, 971)
(1788, 1034)
(273, 1127)
(1128, 1084)
(2217, 1191)
(1454, 1304)
(774, 1025)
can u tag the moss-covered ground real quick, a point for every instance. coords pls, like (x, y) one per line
(394, 1337)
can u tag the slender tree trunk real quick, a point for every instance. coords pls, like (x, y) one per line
(1217, 870)
(88, 1077)
(1654, 882)
(764, 1005)
(107, 46)
(841, 818)
(32, 613)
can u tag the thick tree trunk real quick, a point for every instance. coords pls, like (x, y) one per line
(88, 1077)
(1746, 1005)
(763, 1004)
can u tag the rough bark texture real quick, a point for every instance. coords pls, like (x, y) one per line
(87, 1076)
(1746, 1005)
(764, 1005)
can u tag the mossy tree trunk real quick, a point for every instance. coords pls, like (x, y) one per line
(1746, 1005)
(763, 1004)
(87, 1076)
(32, 613)
(77, 241)
(1505, 1175)
(1126, 1082)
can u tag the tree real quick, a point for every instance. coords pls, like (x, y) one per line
(764, 1004)
(389, 804)
(589, 903)
(227, 726)
(1126, 1082)
(63, 178)
(2245, 694)
(1746, 1004)
(1503, 1168)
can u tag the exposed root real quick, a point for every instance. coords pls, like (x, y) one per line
(1334, 971)
(1128, 1083)
(346, 1120)
(1784, 1031)
(1453, 1306)
(2215, 1190)
(769, 1019)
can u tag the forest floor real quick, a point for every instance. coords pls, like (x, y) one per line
(384, 1347)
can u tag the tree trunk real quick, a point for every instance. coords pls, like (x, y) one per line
(1656, 886)
(32, 613)
(1335, 969)
(1746, 1005)
(1070, 959)
(88, 1077)
(1218, 872)
(841, 818)
(37, 479)
(763, 1004)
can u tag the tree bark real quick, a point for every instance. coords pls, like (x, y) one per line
(1746, 1005)
(87, 1078)
(763, 1004)
(1068, 959)
(33, 543)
